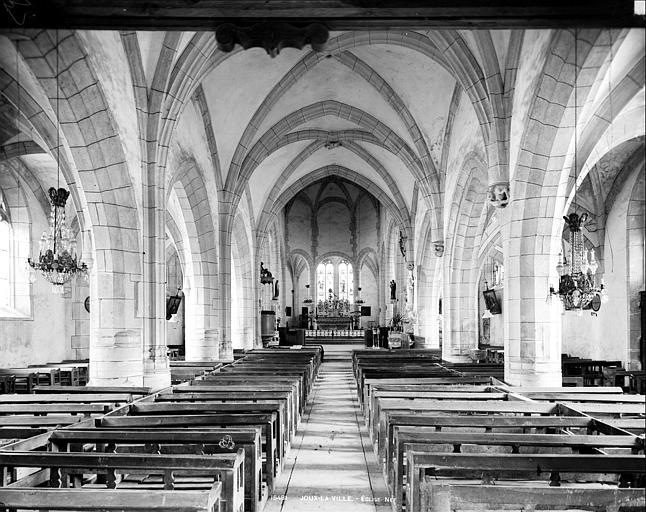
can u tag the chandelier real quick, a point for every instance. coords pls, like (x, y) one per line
(308, 300)
(57, 259)
(577, 278)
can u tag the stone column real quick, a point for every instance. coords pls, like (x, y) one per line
(532, 337)
(153, 305)
(224, 302)
(115, 360)
(204, 347)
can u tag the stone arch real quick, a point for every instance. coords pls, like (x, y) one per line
(187, 182)
(460, 311)
(352, 146)
(91, 153)
(544, 174)
(636, 227)
(281, 133)
(312, 177)
(333, 254)
(20, 223)
(429, 285)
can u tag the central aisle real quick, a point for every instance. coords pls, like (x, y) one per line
(331, 465)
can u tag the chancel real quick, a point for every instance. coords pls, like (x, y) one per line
(451, 198)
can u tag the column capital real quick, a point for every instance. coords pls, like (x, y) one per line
(438, 248)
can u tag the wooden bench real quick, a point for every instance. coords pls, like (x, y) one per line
(378, 424)
(23, 379)
(55, 408)
(547, 467)
(198, 441)
(128, 500)
(128, 390)
(458, 495)
(426, 439)
(432, 384)
(57, 468)
(264, 421)
(60, 398)
(279, 427)
(7, 383)
(179, 395)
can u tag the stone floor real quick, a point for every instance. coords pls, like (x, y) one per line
(331, 465)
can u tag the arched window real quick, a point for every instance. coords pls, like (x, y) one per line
(6, 263)
(320, 282)
(324, 280)
(346, 281)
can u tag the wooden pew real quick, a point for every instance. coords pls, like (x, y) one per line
(128, 500)
(55, 408)
(209, 386)
(279, 427)
(616, 398)
(200, 393)
(630, 468)
(437, 383)
(283, 406)
(7, 383)
(199, 441)
(129, 390)
(378, 423)
(24, 379)
(426, 439)
(68, 398)
(57, 467)
(422, 393)
(458, 495)
(263, 421)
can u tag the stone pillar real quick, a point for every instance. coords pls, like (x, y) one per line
(116, 360)
(532, 337)
(153, 284)
(205, 347)
(459, 311)
(428, 292)
(224, 302)
(460, 329)
(226, 350)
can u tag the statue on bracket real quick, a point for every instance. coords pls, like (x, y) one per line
(393, 290)
(402, 244)
(265, 276)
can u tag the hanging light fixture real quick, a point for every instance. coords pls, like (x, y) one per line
(577, 287)
(58, 260)
(308, 300)
(359, 300)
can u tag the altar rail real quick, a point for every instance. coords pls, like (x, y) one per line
(335, 333)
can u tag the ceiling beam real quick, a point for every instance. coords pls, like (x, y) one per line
(335, 14)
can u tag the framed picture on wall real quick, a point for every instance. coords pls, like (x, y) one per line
(491, 302)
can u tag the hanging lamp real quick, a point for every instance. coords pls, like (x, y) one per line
(58, 261)
(577, 277)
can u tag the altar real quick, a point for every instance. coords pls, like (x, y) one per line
(335, 323)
